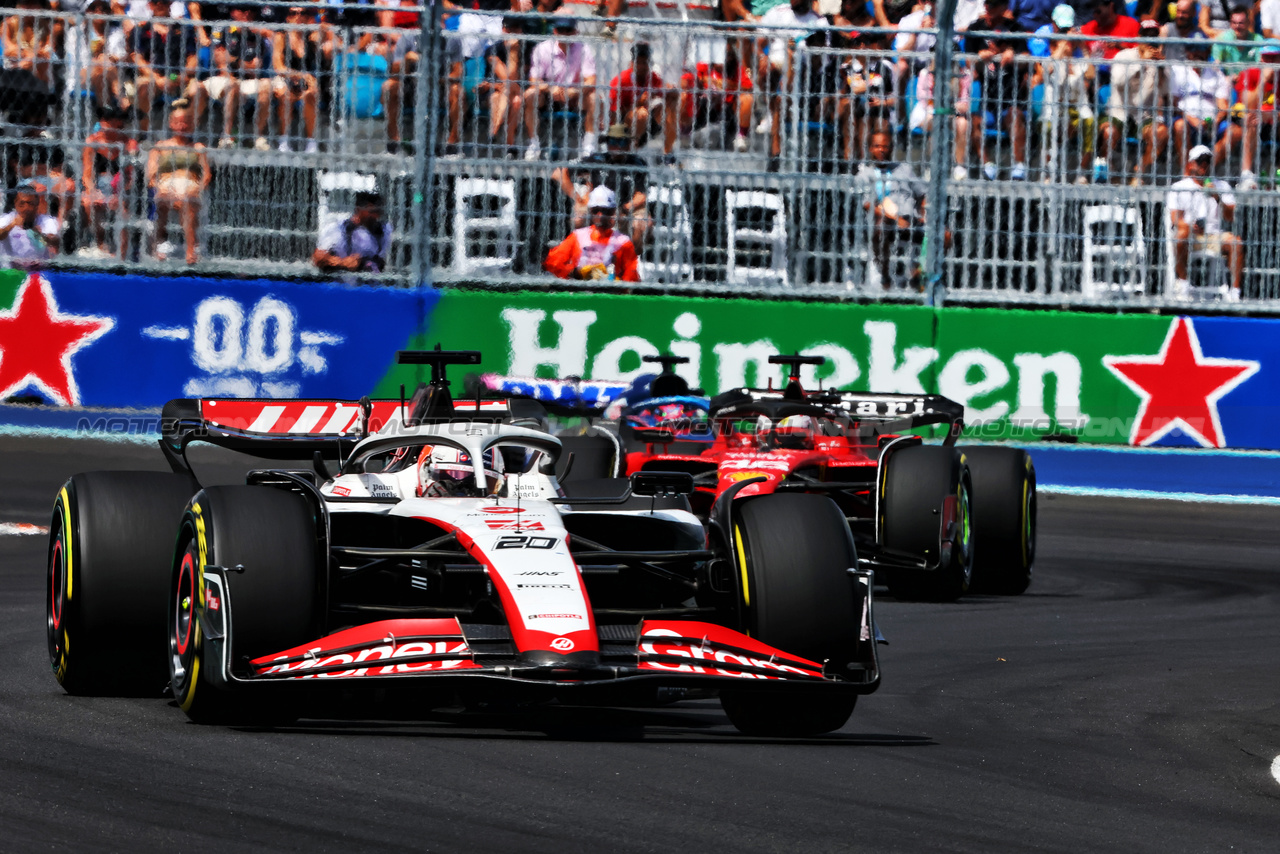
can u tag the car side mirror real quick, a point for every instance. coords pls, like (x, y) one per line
(654, 435)
(661, 484)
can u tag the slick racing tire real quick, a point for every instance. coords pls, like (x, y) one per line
(915, 485)
(1004, 519)
(271, 533)
(793, 554)
(110, 552)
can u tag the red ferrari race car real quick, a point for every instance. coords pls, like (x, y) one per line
(930, 520)
(443, 558)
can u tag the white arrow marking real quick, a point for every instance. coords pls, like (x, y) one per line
(169, 333)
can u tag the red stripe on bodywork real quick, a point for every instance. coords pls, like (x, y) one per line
(524, 638)
(527, 639)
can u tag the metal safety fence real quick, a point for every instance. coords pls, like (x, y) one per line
(742, 158)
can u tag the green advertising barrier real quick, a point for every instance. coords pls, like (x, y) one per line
(10, 281)
(1026, 373)
(1021, 374)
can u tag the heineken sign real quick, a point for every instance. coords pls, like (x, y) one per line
(1144, 380)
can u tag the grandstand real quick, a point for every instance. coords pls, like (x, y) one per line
(782, 148)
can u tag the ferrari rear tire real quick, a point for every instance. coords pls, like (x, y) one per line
(793, 554)
(1004, 519)
(110, 552)
(915, 488)
(271, 533)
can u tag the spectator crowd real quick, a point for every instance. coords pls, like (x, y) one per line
(1089, 91)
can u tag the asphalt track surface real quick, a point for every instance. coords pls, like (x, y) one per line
(1127, 702)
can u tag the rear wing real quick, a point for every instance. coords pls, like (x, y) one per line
(883, 413)
(297, 429)
(865, 406)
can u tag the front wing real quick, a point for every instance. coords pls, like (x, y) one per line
(677, 653)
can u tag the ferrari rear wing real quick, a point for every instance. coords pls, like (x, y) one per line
(922, 409)
(883, 413)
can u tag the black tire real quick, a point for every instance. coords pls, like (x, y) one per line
(110, 553)
(793, 554)
(914, 488)
(594, 457)
(272, 534)
(1004, 519)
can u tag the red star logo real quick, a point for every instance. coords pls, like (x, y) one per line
(1179, 387)
(37, 343)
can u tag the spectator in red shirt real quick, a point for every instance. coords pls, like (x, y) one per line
(715, 93)
(638, 99)
(1112, 30)
(596, 251)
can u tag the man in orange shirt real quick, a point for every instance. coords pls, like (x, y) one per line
(596, 251)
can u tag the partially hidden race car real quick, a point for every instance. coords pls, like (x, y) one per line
(931, 520)
(444, 558)
(607, 411)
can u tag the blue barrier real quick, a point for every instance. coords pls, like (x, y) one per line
(1191, 474)
(132, 341)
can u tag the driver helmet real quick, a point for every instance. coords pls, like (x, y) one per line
(684, 417)
(444, 470)
(796, 431)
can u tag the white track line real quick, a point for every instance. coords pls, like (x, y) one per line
(21, 529)
(1151, 493)
(1275, 768)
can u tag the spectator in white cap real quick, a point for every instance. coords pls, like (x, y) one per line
(1062, 20)
(596, 251)
(1201, 209)
(621, 170)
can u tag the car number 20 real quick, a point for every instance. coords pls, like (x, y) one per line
(522, 542)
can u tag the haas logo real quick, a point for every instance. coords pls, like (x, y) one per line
(562, 644)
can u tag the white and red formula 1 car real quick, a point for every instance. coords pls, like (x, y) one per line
(444, 559)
